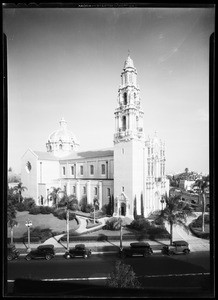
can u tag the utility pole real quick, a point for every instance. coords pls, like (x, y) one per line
(121, 235)
(67, 219)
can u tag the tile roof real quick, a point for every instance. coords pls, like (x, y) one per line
(90, 154)
(76, 155)
(45, 155)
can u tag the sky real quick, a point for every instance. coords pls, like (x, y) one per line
(67, 62)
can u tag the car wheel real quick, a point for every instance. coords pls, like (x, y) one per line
(9, 257)
(28, 257)
(170, 253)
(67, 256)
(85, 256)
(145, 254)
(48, 257)
(186, 251)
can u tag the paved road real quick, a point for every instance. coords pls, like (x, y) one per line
(157, 270)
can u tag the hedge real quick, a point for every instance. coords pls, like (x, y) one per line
(202, 235)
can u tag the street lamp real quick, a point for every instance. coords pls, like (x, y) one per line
(28, 224)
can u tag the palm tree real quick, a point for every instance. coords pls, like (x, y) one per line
(19, 189)
(54, 195)
(175, 213)
(95, 203)
(202, 184)
(12, 223)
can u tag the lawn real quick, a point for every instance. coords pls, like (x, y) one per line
(44, 221)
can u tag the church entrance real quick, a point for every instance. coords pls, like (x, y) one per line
(123, 209)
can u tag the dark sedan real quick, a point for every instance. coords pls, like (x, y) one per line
(136, 249)
(79, 250)
(43, 251)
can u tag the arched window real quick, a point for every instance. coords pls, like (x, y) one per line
(125, 98)
(124, 123)
(60, 146)
(96, 191)
(91, 169)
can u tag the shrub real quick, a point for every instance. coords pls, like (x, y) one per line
(98, 214)
(29, 203)
(73, 206)
(140, 223)
(88, 208)
(39, 233)
(198, 221)
(35, 210)
(112, 224)
(83, 203)
(20, 207)
(61, 214)
(46, 210)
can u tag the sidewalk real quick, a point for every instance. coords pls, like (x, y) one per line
(112, 246)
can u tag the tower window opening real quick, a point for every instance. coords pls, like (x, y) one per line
(108, 192)
(63, 170)
(124, 123)
(125, 98)
(122, 151)
(84, 190)
(74, 189)
(60, 146)
(122, 188)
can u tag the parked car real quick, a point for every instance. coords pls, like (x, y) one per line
(176, 248)
(136, 249)
(79, 250)
(12, 252)
(43, 251)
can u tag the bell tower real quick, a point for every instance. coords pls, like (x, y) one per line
(128, 115)
(129, 144)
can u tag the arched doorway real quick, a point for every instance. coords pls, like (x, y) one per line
(123, 209)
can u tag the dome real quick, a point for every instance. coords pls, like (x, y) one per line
(128, 63)
(62, 141)
(62, 134)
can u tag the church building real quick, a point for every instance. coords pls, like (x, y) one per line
(133, 171)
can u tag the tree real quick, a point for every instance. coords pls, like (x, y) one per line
(123, 276)
(12, 223)
(175, 213)
(112, 205)
(95, 205)
(202, 184)
(54, 195)
(19, 189)
(134, 210)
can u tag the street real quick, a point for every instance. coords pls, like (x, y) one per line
(156, 270)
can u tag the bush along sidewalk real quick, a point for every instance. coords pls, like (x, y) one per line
(196, 225)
